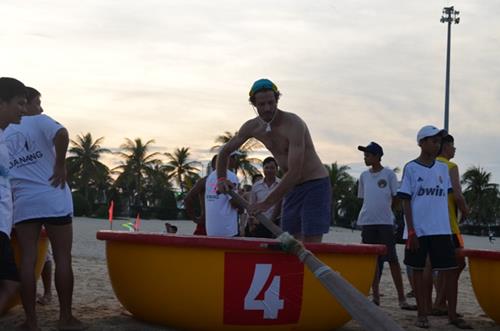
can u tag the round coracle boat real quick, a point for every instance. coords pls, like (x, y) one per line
(43, 244)
(213, 283)
(484, 268)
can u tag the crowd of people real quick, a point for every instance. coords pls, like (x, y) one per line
(34, 194)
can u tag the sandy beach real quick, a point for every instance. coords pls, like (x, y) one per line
(96, 305)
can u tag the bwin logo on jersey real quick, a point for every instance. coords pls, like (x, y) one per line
(431, 191)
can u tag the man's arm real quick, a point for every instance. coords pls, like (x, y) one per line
(194, 193)
(412, 243)
(395, 205)
(457, 191)
(224, 185)
(61, 141)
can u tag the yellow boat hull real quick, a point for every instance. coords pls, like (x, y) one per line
(484, 268)
(43, 244)
(200, 283)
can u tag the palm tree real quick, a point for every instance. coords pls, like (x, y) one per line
(343, 191)
(181, 168)
(136, 166)
(86, 173)
(481, 195)
(246, 165)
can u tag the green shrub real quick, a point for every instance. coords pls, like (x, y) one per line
(81, 206)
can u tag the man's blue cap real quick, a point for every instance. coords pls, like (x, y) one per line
(262, 84)
(372, 148)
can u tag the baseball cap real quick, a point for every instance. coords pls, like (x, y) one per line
(372, 148)
(262, 84)
(429, 131)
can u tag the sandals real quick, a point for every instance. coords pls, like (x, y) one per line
(422, 322)
(461, 324)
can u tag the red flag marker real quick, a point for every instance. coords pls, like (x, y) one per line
(110, 214)
(137, 224)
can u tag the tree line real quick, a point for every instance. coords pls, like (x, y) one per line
(154, 183)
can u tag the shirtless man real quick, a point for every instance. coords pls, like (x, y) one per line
(305, 187)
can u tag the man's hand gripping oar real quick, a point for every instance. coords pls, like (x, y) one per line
(357, 305)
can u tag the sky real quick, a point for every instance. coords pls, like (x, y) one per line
(179, 72)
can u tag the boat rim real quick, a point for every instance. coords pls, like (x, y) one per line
(246, 243)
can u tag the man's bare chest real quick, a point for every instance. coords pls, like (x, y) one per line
(275, 142)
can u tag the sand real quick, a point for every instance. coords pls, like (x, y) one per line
(96, 305)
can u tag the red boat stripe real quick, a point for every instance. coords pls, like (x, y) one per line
(163, 239)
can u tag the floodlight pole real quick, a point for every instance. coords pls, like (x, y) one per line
(450, 15)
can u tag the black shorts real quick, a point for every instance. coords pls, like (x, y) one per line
(59, 220)
(382, 234)
(8, 269)
(441, 251)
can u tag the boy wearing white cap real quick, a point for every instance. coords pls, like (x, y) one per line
(424, 191)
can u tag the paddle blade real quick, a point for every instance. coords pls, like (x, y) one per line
(369, 316)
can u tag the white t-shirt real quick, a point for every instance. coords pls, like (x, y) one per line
(5, 193)
(32, 159)
(377, 189)
(221, 219)
(427, 187)
(260, 191)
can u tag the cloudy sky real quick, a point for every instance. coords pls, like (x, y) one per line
(179, 72)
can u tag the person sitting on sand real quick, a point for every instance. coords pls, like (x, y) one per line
(37, 150)
(305, 188)
(12, 106)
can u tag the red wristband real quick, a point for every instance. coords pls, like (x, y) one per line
(221, 179)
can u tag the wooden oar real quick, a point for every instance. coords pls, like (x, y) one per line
(370, 316)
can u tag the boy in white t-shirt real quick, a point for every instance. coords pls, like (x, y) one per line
(12, 106)
(378, 187)
(37, 150)
(221, 216)
(424, 191)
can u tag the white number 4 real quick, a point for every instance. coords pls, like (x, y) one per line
(272, 303)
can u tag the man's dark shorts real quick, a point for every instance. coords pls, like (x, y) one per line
(440, 249)
(382, 234)
(8, 269)
(307, 208)
(59, 220)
